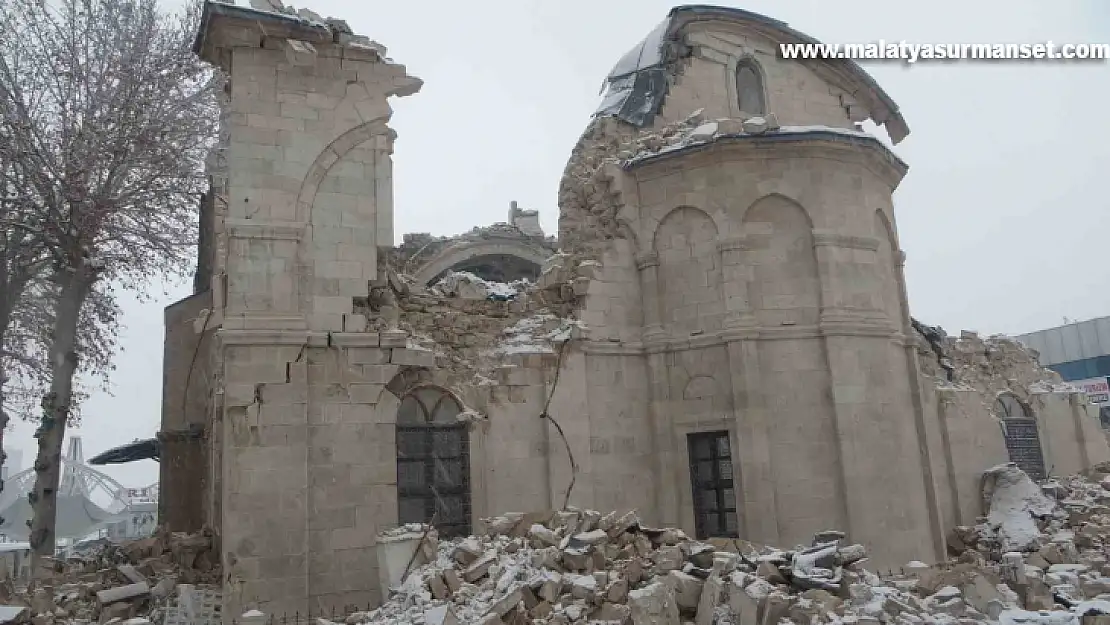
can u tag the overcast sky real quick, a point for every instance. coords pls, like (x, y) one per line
(1003, 214)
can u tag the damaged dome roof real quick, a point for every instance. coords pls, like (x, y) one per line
(637, 85)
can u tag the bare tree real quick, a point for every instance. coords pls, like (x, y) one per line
(26, 307)
(26, 317)
(110, 117)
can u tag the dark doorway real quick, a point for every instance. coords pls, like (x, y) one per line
(714, 493)
(433, 462)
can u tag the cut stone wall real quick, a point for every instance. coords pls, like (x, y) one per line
(186, 376)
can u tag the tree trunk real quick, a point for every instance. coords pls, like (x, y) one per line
(74, 289)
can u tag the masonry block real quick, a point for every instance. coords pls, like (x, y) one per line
(413, 357)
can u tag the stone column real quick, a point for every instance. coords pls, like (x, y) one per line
(873, 414)
(756, 504)
(648, 265)
(663, 439)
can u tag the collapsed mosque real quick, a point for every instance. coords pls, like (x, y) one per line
(719, 338)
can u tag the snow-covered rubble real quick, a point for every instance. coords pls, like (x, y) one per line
(469, 286)
(584, 567)
(535, 334)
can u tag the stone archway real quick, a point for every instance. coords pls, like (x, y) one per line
(1023, 439)
(529, 254)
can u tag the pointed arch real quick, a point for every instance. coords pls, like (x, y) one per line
(1023, 439)
(433, 461)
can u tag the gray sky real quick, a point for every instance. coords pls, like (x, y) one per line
(1000, 215)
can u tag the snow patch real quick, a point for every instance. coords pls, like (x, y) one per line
(1016, 502)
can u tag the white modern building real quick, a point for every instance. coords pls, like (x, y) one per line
(1080, 353)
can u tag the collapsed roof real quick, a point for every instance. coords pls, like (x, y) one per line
(637, 85)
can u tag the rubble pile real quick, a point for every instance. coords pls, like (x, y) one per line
(990, 365)
(469, 286)
(474, 326)
(588, 205)
(116, 582)
(1038, 556)
(1047, 543)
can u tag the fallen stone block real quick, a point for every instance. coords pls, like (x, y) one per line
(451, 578)
(506, 603)
(687, 589)
(122, 610)
(122, 593)
(669, 559)
(710, 597)
(612, 613)
(441, 615)
(132, 575)
(654, 604)
(743, 607)
(438, 587)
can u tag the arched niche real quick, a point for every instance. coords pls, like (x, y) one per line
(751, 93)
(433, 461)
(689, 272)
(783, 286)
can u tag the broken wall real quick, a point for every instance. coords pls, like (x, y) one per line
(303, 194)
(186, 377)
(792, 91)
(964, 378)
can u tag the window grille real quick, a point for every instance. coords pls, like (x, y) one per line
(433, 462)
(1023, 440)
(713, 486)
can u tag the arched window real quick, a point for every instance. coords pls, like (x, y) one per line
(749, 88)
(433, 462)
(1023, 441)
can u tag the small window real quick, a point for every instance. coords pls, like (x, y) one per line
(749, 88)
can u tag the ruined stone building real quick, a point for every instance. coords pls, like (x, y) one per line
(722, 340)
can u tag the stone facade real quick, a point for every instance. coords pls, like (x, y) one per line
(721, 273)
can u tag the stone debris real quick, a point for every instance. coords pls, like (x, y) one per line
(1038, 557)
(466, 285)
(131, 583)
(475, 331)
(990, 365)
